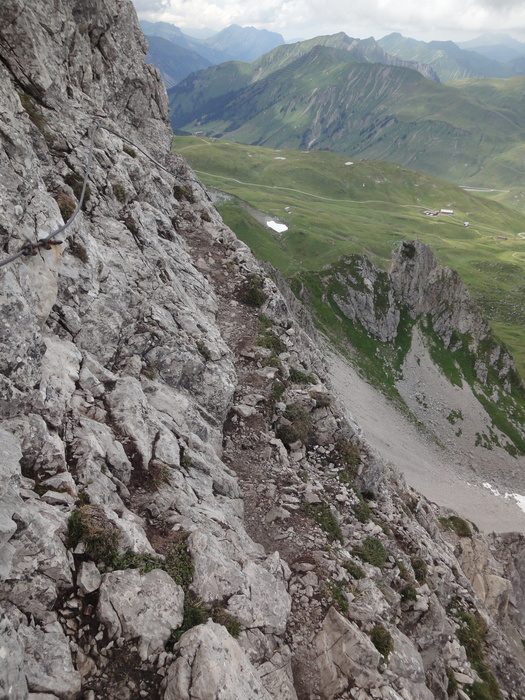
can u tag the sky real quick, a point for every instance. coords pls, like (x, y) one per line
(302, 19)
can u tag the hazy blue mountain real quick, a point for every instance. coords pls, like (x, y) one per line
(176, 36)
(174, 61)
(448, 60)
(499, 47)
(245, 43)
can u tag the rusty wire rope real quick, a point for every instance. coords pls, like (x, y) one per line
(30, 247)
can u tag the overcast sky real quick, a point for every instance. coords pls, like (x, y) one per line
(458, 20)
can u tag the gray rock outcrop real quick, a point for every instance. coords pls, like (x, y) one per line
(182, 500)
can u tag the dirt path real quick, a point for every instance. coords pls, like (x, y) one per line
(432, 471)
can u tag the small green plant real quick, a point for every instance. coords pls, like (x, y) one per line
(382, 640)
(77, 249)
(35, 115)
(321, 399)
(348, 452)
(130, 223)
(90, 525)
(300, 425)
(65, 204)
(183, 192)
(150, 370)
(324, 517)
(354, 570)
(460, 526)
(408, 593)
(76, 182)
(338, 596)
(372, 551)
(361, 510)
(205, 216)
(404, 573)
(278, 389)
(253, 294)
(120, 193)
(299, 377)
(186, 461)
(223, 617)
(452, 686)
(204, 350)
(130, 151)
(420, 569)
(195, 613)
(472, 634)
(454, 416)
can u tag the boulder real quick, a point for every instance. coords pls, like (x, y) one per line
(211, 665)
(146, 606)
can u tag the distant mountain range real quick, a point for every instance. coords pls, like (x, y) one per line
(452, 61)
(352, 97)
(177, 55)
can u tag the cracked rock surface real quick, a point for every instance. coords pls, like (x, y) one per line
(185, 509)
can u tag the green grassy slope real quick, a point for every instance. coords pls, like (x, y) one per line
(326, 99)
(448, 60)
(334, 209)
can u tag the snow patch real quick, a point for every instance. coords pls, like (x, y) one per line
(520, 500)
(280, 228)
(279, 158)
(349, 162)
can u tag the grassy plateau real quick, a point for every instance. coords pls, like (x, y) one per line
(335, 206)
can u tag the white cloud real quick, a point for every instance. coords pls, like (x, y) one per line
(440, 19)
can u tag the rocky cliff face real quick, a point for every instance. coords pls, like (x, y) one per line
(184, 510)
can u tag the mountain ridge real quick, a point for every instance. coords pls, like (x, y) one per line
(187, 510)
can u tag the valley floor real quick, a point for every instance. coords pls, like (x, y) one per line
(442, 475)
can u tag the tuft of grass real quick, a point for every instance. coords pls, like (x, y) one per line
(362, 510)
(66, 205)
(130, 151)
(195, 613)
(452, 686)
(253, 294)
(130, 223)
(472, 635)
(300, 425)
(372, 551)
(183, 192)
(76, 181)
(420, 569)
(408, 593)
(204, 350)
(120, 193)
(382, 640)
(223, 617)
(321, 399)
(324, 517)
(297, 376)
(35, 115)
(77, 249)
(460, 526)
(338, 596)
(89, 525)
(354, 570)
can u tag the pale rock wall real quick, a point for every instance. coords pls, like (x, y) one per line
(136, 393)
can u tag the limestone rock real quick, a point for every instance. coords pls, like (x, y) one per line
(344, 654)
(148, 607)
(12, 667)
(48, 664)
(211, 665)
